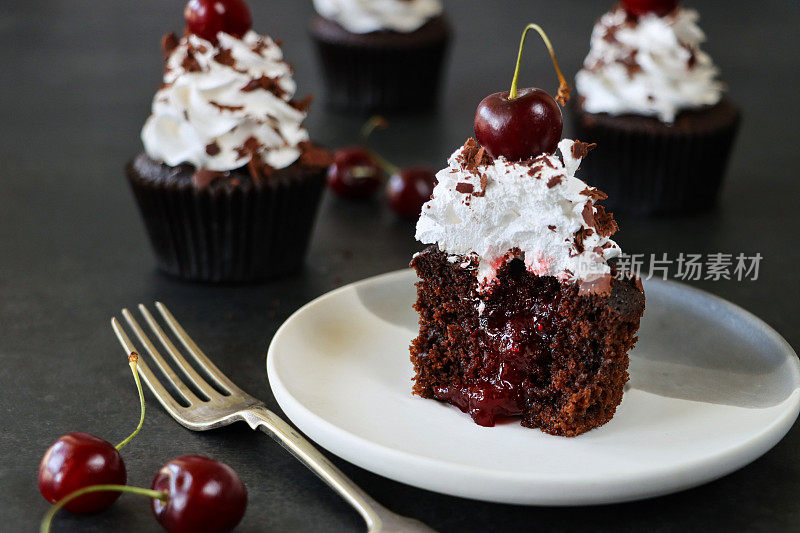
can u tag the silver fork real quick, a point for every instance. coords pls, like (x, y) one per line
(225, 403)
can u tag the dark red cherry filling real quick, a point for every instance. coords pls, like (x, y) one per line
(514, 340)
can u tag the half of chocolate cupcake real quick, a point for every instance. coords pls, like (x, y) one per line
(229, 182)
(522, 309)
(382, 57)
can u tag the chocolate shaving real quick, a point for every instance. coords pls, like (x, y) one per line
(224, 57)
(251, 146)
(189, 63)
(212, 149)
(551, 227)
(631, 64)
(580, 149)
(604, 222)
(555, 180)
(169, 42)
(588, 215)
(302, 105)
(595, 194)
(580, 236)
(465, 188)
(474, 155)
(610, 36)
(266, 83)
(223, 107)
(484, 184)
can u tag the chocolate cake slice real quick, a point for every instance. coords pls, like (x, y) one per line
(522, 309)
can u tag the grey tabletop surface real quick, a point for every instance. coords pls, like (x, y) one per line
(77, 80)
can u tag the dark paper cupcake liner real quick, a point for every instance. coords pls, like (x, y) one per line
(649, 168)
(223, 233)
(381, 73)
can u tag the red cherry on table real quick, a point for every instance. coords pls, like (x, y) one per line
(206, 18)
(203, 495)
(521, 127)
(354, 173)
(78, 460)
(408, 189)
(638, 8)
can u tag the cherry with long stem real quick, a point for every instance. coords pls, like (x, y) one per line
(522, 123)
(562, 94)
(77, 460)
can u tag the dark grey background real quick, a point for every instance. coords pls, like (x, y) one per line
(77, 79)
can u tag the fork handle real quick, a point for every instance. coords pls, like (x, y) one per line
(377, 517)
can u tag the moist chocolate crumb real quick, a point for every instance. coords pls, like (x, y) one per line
(600, 285)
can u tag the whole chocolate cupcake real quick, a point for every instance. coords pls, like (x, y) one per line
(651, 99)
(229, 183)
(381, 56)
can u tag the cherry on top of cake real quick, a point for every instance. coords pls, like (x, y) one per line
(509, 196)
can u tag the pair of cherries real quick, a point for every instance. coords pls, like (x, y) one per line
(358, 173)
(190, 494)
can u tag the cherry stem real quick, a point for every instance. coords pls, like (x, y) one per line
(562, 96)
(48, 518)
(377, 122)
(133, 360)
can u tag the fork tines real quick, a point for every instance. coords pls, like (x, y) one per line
(192, 388)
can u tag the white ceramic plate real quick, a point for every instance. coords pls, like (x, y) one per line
(712, 388)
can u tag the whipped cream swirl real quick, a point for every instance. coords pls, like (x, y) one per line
(496, 210)
(367, 16)
(649, 66)
(221, 106)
